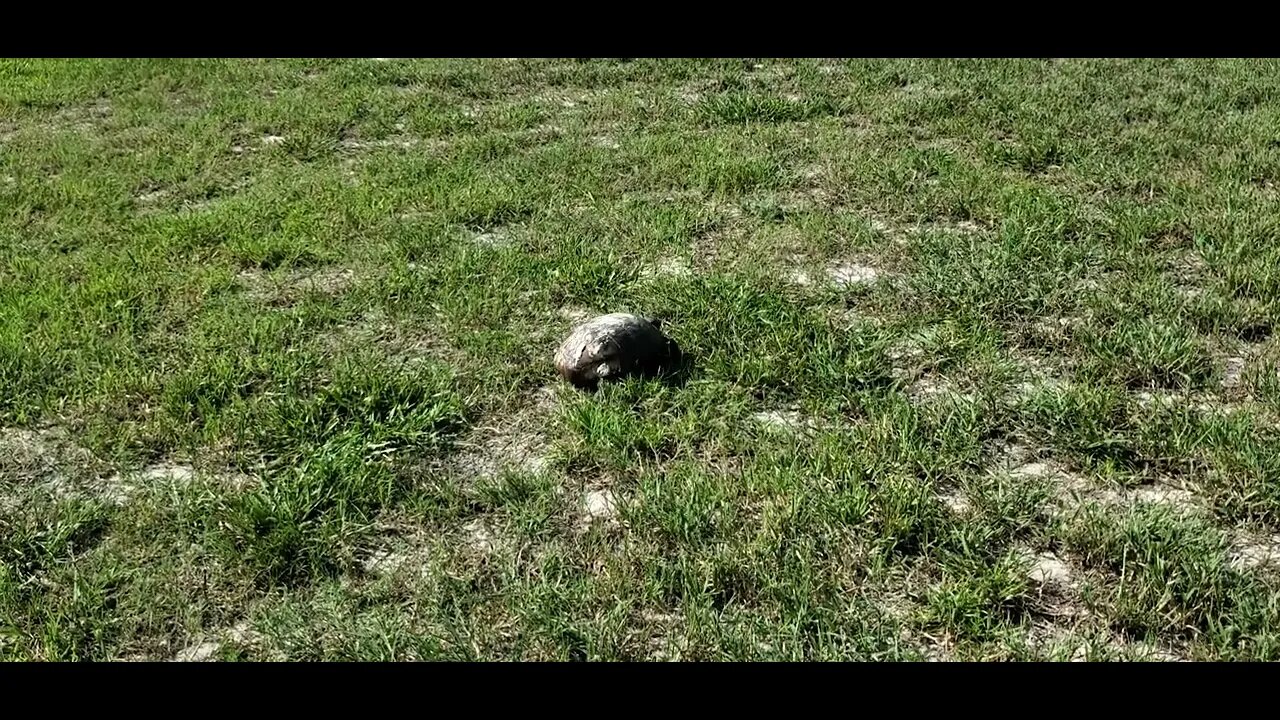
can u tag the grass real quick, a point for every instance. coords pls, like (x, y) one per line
(982, 360)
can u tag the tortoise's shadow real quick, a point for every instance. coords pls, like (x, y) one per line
(676, 372)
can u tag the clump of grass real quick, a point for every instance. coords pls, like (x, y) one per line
(749, 107)
(976, 600)
(385, 408)
(1089, 424)
(1144, 352)
(300, 524)
(39, 617)
(1168, 574)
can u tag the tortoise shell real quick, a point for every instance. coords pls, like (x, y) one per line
(612, 347)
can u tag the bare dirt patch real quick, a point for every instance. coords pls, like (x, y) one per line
(908, 348)
(957, 502)
(330, 281)
(90, 117)
(1233, 369)
(1059, 610)
(1047, 569)
(1072, 490)
(903, 233)
(938, 648)
(569, 100)
(1083, 639)
(672, 266)
(403, 547)
(120, 488)
(575, 314)
(665, 643)
(1067, 487)
(598, 506)
(848, 318)
(407, 553)
(152, 196)
(1056, 329)
(1202, 402)
(284, 287)
(1052, 640)
(207, 648)
(1036, 470)
(930, 388)
(49, 458)
(840, 274)
(509, 441)
(1175, 497)
(384, 562)
(401, 142)
(848, 274)
(711, 249)
(1187, 269)
(1010, 454)
(395, 340)
(37, 454)
(199, 652)
(1038, 376)
(496, 238)
(256, 144)
(1251, 551)
(1147, 652)
(784, 420)
(478, 536)
(167, 472)
(692, 93)
(491, 450)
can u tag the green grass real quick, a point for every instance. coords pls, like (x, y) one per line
(982, 360)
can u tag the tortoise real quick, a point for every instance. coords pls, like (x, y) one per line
(613, 346)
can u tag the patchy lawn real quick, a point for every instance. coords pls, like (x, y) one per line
(983, 363)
